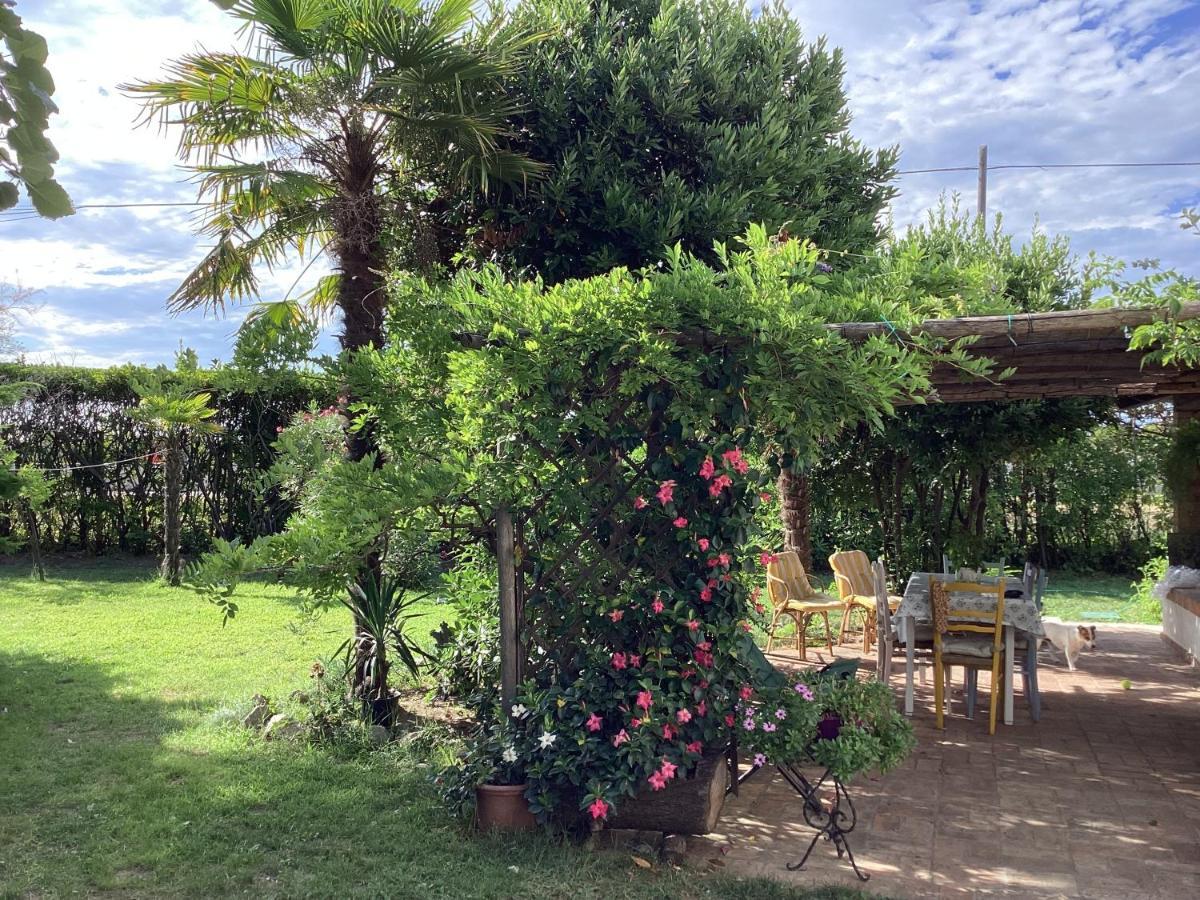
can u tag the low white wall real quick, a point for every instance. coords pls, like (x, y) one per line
(1181, 623)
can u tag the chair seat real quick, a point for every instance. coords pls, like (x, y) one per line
(976, 648)
(818, 603)
(869, 602)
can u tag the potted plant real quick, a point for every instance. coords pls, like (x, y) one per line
(847, 725)
(491, 774)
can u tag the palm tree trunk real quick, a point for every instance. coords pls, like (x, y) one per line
(796, 514)
(362, 300)
(172, 568)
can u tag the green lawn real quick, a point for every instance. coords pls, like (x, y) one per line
(121, 770)
(1097, 598)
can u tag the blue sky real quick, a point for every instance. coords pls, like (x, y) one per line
(1048, 82)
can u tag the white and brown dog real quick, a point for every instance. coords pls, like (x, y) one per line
(1069, 639)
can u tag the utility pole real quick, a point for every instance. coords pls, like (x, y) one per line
(981, 196)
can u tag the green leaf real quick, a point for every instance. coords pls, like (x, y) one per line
(50, 200)
(9, 195)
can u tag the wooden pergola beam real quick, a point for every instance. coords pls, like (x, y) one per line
(1080, 323)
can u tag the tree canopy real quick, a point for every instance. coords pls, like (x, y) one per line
(677, 121)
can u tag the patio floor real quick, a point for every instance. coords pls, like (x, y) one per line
(1099, 799)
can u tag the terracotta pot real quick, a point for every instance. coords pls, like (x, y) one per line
(503, 806)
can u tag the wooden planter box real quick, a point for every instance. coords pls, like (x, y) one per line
(686, 806)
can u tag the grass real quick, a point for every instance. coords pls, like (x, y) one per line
(1098, 598)
(124, 771)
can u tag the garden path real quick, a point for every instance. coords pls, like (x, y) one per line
(1100, 799)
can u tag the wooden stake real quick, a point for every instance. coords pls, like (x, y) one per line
(981, 196)
(510, 632)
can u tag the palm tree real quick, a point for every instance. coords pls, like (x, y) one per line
(174, 412)
(335, 126)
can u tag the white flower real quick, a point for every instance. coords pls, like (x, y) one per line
(547, 740)
(519, 711)
(509, 755)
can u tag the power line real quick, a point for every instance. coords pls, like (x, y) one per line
(104, 465)
(1151, 165)
(25, 213)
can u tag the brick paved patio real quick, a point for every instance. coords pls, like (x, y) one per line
(1099, 799)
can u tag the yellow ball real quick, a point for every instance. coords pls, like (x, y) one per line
(1126, 684)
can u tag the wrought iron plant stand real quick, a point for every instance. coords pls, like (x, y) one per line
(833, 817)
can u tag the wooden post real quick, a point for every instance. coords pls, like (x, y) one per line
(1183, 544)
(510, 635)
(981, 196)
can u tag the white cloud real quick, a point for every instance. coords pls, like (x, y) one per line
(1060, 81)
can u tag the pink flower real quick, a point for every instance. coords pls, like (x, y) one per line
(729, 720)
(719, 484)
(734, 458)
(616, 615)
(702, 708)
(781, 714)
(759, 608)
(759, 760)
(712, 582)
(764, 497)
(668, 732)
(724, 559)
(756, 593)
(748, 724)
(768, 726)
(746, 692)
(657, 605)
(695, 747)
(745, 626)
(683, 716)
(767, 558)
(668, 769)
(635, 659)
(645, 699)
(635, 723)
(639, 502)
(693, 624)
(804, 690)
(679, 522)
(621, 737)
(657, 781)
(598, 809)
(706, 595)
(707, 469)
(713, 562)
(594, 722)
(687, 673)
(703, 543)
(726, 578)
(666, 492)
(618, 660)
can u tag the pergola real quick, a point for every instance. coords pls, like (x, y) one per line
(1078, 353)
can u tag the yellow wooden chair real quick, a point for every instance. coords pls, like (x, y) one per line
(792, 595)
(856, 587)
(971, 638)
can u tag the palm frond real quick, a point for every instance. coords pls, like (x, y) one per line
(222, 100)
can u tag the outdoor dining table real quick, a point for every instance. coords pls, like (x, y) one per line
(1020, 614)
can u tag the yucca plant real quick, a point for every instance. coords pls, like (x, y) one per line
(381, 609)
(173, 412)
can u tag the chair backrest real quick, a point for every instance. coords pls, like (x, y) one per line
(883, 620)
(852, 572)
(972, 620)
(786, 579)
(1034, 583)
(947, 565)
(996, 566)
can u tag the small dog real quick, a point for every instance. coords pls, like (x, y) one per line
(1069, 639)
